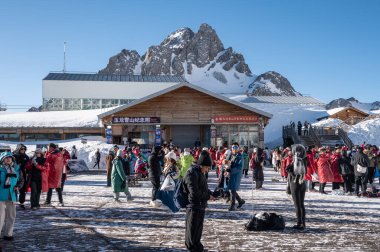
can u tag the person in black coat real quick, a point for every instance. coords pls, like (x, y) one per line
(36, 179)
(360, 161)
(195, 183)
(296, 184)
(22, 159)
(346, 170)
(299, 127)
(97, 156)
(155, 173)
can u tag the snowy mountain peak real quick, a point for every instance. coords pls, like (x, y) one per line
(271, 83)
(178, 39)
(352, 102)
(201, 58)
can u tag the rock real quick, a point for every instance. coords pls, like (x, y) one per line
(338, 103)
(123, 63)
(271, 83)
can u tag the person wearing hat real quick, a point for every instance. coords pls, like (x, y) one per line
(195, 184)
(118, 178)
(9, 187)
(155, 173)
(338, 179)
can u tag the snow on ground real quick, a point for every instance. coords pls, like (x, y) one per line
(92, 221)
(329, 122)
(75, 118)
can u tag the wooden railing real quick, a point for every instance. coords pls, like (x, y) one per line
(347, 141)
(314, 137)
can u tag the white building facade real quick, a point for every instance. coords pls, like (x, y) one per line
(79, 91)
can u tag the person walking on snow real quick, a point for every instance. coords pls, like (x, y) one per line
(119, 180)
(97, 158)
(155, 173)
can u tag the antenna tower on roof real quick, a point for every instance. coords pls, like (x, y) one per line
(64, 56)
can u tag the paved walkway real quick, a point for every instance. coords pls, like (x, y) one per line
(92, 221)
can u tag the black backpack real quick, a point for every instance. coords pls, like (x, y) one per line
(265, 221)
(180, 195)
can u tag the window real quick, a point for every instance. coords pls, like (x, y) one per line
(243, 134)
(10, 137)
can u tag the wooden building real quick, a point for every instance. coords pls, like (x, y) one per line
(349, 115)
(188, 115)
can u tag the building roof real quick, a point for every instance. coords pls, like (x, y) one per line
(113, 77)
(337, 110)
(279, 99)
(185, 84)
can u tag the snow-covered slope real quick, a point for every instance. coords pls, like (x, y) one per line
(367, 131)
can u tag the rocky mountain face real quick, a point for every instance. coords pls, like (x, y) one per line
(201, 58)
(271, 83)
(352, 102)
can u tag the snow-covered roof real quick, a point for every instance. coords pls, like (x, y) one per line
(172, 88)
(277, 99)
(337, 110)
(113, 77)
(54, 119)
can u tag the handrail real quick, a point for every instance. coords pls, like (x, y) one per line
(347, 141)
(314, 137)
(288, 131)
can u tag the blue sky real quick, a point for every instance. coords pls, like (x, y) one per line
(326, 48)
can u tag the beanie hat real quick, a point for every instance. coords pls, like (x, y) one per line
(4, 155)
(204, 159)
(171, 155)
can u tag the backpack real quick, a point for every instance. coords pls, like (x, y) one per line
(265, 221)
(180, 195)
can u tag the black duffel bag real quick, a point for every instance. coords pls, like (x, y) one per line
(265, 221)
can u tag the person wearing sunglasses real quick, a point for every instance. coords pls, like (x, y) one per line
(23, 161)
(234, 173)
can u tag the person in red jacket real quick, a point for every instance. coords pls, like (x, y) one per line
(55, 162)
(338, 179)
(212, 152)
(310, 169)
(66, 157)
(219, 158)
(287, 159)
(324, 170)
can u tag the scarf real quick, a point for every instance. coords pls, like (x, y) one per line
(10, 174)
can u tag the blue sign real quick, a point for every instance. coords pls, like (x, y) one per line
(109, 136)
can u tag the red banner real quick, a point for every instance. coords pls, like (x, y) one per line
(235, 119)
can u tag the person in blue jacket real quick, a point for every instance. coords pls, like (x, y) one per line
(234, 173)
(9, 187)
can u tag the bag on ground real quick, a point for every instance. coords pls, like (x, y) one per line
(265, 221)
